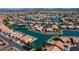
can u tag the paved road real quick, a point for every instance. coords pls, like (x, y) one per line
(11, 44)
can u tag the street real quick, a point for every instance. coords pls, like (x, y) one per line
(10, 44)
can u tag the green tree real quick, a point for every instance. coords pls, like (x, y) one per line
(29, 44)
(38, 48)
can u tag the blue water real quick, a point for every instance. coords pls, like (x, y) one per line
(70, 33)
(43, 37)
(40, 37)
(56, 19)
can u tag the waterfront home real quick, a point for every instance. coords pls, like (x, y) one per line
(55, 26)
(39, 28)
(56, 46)
(60, 45)
(49, 29)
(71, 26)
(27, 39)
(53, 48)
(77, 26)
(65, 39)
(63, 26)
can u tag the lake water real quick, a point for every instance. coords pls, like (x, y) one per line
(43, 37)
